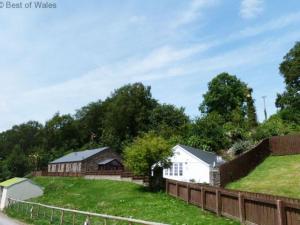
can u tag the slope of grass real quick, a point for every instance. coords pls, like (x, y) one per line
(121, 199)
(277, 175)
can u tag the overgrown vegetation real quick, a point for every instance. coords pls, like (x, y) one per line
(277, 175)
(227, 116)
(120, 199)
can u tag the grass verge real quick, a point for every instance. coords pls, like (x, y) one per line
(119, 199)
(277, 175)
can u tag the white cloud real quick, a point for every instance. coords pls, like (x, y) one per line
(251, 8)
(193, 11)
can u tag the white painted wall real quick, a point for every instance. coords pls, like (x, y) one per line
(193, 168)
(21, 191)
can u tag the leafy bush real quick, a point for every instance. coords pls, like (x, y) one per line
(275, 126)
(240, 147)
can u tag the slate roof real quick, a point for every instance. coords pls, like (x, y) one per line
(208, 157)
(79, 156)
(12, 181)
(105, 161)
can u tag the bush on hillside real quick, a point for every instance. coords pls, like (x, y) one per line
(240, 147)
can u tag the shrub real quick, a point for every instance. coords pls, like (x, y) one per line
(240, 147)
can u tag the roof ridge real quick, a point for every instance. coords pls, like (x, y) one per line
(198, 149)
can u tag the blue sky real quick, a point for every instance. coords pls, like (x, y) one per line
(61, 59)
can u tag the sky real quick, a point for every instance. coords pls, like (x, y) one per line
(60, 59)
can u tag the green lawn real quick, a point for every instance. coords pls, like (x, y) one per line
(121, 199)
(277, 175)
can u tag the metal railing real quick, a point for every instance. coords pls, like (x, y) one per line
(34, 210)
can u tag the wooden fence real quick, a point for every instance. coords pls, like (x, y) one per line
(57, 215)
(245, 163)
(249, 208)
(285, 145)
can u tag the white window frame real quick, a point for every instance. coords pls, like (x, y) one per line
(171, 170)
(175, 169)
(180, 169)
(166, 172)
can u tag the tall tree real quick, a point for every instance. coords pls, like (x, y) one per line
(90, 122)
(127, 113)
(227, 96)
(289, 100)
(61, 133)
(208, 133)
(168, 120)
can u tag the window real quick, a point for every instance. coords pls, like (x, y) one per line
(166, 172)
(175, 169)
(180, 169)
(171, 170)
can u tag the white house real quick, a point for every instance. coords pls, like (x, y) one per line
(18, 188)
(191, 164)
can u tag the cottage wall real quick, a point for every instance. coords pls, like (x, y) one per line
(73, 167)
(91, 164)
(192, 168)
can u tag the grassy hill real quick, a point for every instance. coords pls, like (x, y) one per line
(277, 175)
(121, 199)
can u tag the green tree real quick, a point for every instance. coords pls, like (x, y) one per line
(17, 163)
(289, 100)
(90, 122)
(228, 95)
(168, 120)
(208, 133)
(145, 151)
(61, 133)
(127, 113)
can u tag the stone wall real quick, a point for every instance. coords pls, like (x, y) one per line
(91, 164)
(214, 177)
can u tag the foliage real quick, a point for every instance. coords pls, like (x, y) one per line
(240, 147)
(227, 95)
(275, 126)
(127, 114)
(145, 151)
(208, 133)
(168, 120)
(277, 175)
(120, 199)
(17, 162)
(289, 100)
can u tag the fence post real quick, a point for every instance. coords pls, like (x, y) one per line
(242, 208)
(203, 197)
(177, 189)
(281, 213)
(73, 220)
(62, 217)
(188, 193)
(51, 217)
(218, 202)
(37, 211)
(87, 221)
(31, 212)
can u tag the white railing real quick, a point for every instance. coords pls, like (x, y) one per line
(17, 205)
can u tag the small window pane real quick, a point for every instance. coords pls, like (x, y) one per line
(175, 169)
(180, 169)
(171, 170)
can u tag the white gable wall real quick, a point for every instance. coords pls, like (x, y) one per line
(193, 169)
